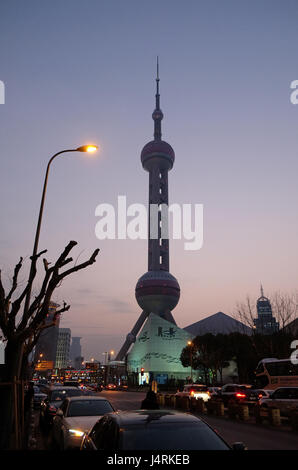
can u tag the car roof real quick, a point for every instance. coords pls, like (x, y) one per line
(234, 385)
(86, 397)
(64, 388)
(145, 417)
(289, 386)
(195, 385)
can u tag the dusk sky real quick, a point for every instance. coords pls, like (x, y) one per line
(79, 72)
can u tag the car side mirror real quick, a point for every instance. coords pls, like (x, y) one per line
(239, 446)
(59, 413)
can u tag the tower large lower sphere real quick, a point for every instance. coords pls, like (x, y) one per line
(157, 291)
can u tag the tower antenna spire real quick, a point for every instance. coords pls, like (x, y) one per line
(262, 291)
(157, 113)
(157, 86)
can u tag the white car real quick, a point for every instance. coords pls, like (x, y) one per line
(195, 390)
(284, 398)
(75, 417)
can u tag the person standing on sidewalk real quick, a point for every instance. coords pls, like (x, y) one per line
(150, 402)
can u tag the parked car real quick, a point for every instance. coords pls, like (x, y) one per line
(194, 390)
(248, 396)
(38, 396)
(43, 388)
(284, 398)
(153, 430)
(75, 417)
(232, 392)
(54, 399)
(95, 387)
(111, 387)
(123, 387)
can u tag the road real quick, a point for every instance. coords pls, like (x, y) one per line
(254, 436)
(124, 400)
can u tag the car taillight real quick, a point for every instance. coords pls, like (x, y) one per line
(52, 409)
(260, 395)
(192, 392)
(240, 395)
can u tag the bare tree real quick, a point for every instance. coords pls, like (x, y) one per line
(246, 312)
(21, 329)
(284, 307)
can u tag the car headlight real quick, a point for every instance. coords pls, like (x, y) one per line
(76, 432)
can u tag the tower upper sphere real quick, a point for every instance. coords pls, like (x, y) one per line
(157, 151)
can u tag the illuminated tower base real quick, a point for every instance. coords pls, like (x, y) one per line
(157, 350)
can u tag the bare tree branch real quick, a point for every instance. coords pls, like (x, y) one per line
(32, 322)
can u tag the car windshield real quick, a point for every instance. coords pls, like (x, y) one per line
(61, 394)
(164, 437)
(89, 408)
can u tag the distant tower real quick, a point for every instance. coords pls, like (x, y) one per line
(63, 348)
(265, 324)
(75, 349)
(46, 346)
(157, 291)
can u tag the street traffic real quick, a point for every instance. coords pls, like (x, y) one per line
(79, 418)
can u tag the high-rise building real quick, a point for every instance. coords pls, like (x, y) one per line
(63, 348)
(158, 347)
(79, 362)
(265, 323)
(45, 349)
(75, 349)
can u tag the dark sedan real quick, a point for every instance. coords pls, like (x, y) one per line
(153, 430)
(49, 405)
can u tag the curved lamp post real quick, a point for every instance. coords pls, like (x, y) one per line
(83, 148)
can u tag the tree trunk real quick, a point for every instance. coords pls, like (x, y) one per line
(13, 362)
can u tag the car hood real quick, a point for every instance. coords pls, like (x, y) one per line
(83, 423)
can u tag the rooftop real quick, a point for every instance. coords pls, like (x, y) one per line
(218, 323)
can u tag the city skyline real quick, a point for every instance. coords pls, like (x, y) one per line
(225, 83)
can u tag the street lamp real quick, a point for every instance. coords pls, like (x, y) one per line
(83, 148)
(111, 353)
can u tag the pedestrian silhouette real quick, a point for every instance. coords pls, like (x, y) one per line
(150, 402)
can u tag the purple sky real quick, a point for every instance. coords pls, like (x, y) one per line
(78, 72)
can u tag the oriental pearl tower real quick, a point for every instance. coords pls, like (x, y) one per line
(157, 291)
